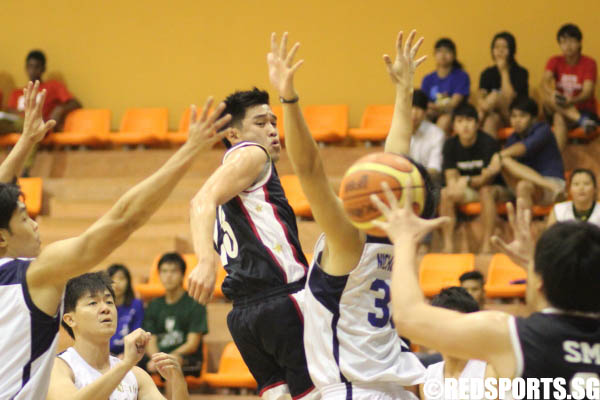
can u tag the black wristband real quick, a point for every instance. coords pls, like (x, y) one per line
(290, 101)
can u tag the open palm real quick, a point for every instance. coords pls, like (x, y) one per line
(403, 68)
(281, 67)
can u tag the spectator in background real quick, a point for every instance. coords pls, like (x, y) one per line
(472, 282)
(501, 83)
(469, 175)
(568, 86)
(59, 101)
(130, 311)
(584, 206)
(531, 163)
(447, 87)
(427, 139)
(176, 321)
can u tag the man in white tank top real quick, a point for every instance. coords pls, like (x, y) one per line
(87, 370)
(352, 348)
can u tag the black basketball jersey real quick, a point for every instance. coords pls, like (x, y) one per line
(556, 344)
(257, 237)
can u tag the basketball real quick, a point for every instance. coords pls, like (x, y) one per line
(365, 177)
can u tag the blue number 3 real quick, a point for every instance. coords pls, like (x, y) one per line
(381, 303)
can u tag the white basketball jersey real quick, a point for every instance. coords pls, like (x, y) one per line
(349, 335)
(564, 212)
(29, 336)
(86, 374)
(475, 369)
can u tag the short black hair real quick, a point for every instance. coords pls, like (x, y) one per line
(36, 55)
(90, 283)
(112, 270)
(525, 104)
(449, 44)
(420, 99)
(510, 41)
(455, 298)
(9, 198)
(566, 258)
(237, 103)
(172, 258)
(466, 110)
(471, 276)
(589, 172)
(569, 30)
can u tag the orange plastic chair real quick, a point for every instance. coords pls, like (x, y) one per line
(504, 133)
(295, 195)
(146, 126)
(9, 139)
(501, 272)
(375, 123)
(438, 271)
(84, 127)
(474, 208)
(154, 288)
(32, 191)
(233, 372)
(221, 275)
(327, 123)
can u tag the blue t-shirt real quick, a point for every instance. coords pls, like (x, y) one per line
(129, 319)
(542, 153)
(457, 82)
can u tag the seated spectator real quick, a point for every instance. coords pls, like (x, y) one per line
(472, 282)
(469, 176)
(427, 139)
(87, 370)
(59, 101)
(501, 83)
(447, 86)
(568, 86)
(457, 299)
(531, 162)
(176, 321)
(584, 206)
(130, 311)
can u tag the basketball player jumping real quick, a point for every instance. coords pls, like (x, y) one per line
(560, 340)
(32, 283)
(352, 348)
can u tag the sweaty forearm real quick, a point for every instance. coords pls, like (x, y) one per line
(301, 147)
(406, 293)
(12, 166)
(398, 140)
(202, 221)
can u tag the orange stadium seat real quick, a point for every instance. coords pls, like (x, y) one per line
(232, 373)
(375, 123)
(327, 123)
(146, 126)
(85, 127)
(501, 272)
(32, 191)
(438, 271)
(295, 195)
(9, 139)
(278, 111)
(504, 133)
(474, 208)
(153, 288)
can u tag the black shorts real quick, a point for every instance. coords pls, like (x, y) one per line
(269, 333)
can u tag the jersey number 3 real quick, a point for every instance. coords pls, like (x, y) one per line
(382, 303)
(229, 245)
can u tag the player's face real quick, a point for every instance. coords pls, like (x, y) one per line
(418, 115)
(120, 283)
(34, 69)
(569, 46)
(520, 120)
(94, 315)
(466, 128)
(444, 57)
(582, 188)
(170, 276)
(260, 126)
(475, 289)
(500, 50)
(23, 240)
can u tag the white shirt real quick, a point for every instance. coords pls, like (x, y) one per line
(426, 145)
(564, 212)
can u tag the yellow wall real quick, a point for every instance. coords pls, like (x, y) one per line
(120, 53)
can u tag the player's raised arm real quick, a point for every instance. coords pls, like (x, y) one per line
(402, 72)
(343, 239)
(62, 260)
(482, 335)
(34, 130)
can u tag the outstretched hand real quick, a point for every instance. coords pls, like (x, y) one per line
(403, 223)
(282, 67)
(521, 249)
(34, 127)
(205, 130)
(403, 68)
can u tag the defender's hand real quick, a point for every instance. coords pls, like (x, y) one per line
(282, 67)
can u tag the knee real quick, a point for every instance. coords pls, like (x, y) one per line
(524, 188)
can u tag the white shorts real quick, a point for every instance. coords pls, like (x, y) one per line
(366, 391)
